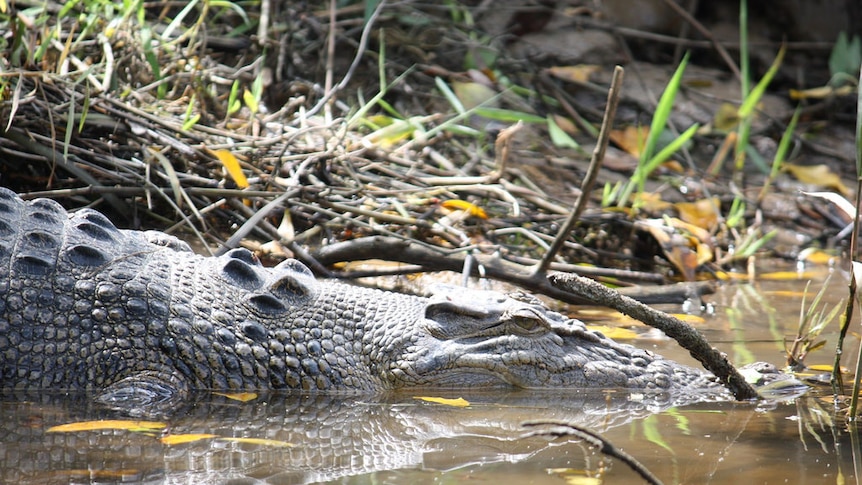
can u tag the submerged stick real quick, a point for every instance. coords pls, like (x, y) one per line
(605, 447)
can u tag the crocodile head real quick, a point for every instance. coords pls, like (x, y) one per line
(473, 338)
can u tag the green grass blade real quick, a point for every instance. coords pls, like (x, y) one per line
(750, 101)
(663, 110)
(449, 95)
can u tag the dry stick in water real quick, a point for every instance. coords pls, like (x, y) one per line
(563, 428)
(684, 334)
(592, 172)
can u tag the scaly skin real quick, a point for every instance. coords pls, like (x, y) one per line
(84, 305)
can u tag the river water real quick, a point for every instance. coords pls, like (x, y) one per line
(468, 435)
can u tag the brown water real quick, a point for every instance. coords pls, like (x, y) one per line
(399, 439)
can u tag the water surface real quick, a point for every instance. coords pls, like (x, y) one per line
(400, 439)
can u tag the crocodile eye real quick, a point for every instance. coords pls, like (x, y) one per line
(528, 324)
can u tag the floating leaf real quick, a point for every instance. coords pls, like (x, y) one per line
(463, 205)
(788, 275)
(689, 318)
(458, 403)
(231, 164)
(261, 441)
(179, 439)
(819, 175)
(579, 73)
(816, 256)
(115, 424)
(238, 396)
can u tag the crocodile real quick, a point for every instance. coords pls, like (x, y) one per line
(138, 315)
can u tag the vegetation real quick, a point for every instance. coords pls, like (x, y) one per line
(234, 123)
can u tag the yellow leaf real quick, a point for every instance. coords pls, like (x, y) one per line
(652, 202)
(250, 101)
(690, 319)
(579, 74)
(115, 424)
(458, 403)
(822, 92)
(631, 138)
(788, 275)
(238, 396)
(819, 175)
(824, 368)
(815, 256)
(702, 213)
(616, 333)
(463, 205)
(178, 439)
(262, 442)
(231, 164)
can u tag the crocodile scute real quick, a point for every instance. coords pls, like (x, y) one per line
(85, 305)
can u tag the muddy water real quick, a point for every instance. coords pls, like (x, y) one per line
(398, 438)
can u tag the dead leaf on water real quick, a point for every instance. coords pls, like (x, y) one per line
(690, 319)
(262, 442)
(179, 439)
(788, 275)
(458, 403)
(115, 424)
(238, 396)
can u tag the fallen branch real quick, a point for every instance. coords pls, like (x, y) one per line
(492, 266)
(688, 337)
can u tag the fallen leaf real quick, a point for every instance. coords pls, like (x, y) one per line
(702, 213)
(115, 424)
(238, 396)
(178, 439)
(788, 275)
(652, 202)
(261, 441)
(631, 139)
(822, 92)
(463, 205)
(689, 318)
(819, 175)
(458, 403)
(231, 164)
(579, 73)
